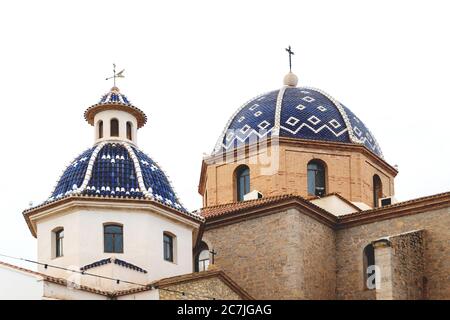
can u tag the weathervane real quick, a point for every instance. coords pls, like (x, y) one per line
(290, 54)
(116, 75)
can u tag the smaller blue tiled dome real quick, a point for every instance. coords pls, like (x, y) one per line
(115, 100)
(116, 170)
(114, 96)
(295, 112)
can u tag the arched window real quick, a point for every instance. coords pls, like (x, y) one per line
(316, 178)
(369, 267)
(113, 238)
(114, 128)
(100, 129)
(129, 131)
(202, 258)
(169, 246)
(377, 190)
(242, 182)
(58, 238)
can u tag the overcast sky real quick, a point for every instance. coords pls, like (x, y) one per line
(191, 64)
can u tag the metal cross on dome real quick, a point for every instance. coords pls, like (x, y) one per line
(116, 75)
(290, 55)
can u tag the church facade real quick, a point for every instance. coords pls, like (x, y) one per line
(298, 203)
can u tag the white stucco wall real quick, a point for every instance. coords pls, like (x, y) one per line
(334, 205)
(123, 118)
(115, 271)
(145, 295)
(17, 285)
(55, 291)
(143, 243)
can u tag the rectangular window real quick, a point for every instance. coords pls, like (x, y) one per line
(243, 182)
(113, 239)
(316, 179)
(59, 239)
(203, 265)
(129, 127)
(203, 260)
(369, 267)
(114, 124)
(168, 248)
(311, 182)
(100, 129)
(320, 183)
(241, 188)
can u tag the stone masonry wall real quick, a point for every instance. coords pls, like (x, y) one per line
(408, 265)
(201, 289)
(350, 243)
(400, 260)
(286, 255)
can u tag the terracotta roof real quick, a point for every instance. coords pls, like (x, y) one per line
(401, 204)
(163, 283)
(66, 283)
(90, 112)
(51, 279)
(413, 206)
(224, 209)
(12, 266)
(214, 213)
(119, 262)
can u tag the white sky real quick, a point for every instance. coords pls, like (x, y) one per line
(191, 64)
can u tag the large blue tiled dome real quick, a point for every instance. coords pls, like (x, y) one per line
(295, 112)
(116, 169)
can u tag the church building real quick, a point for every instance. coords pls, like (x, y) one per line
(298, 203)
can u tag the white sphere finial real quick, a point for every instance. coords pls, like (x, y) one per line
(290, 80)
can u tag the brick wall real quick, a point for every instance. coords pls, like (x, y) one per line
(348, 172)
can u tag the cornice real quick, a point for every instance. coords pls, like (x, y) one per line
(71, 202)
(272, 207)
(282, 203)
(406, 208)
(90, 113)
